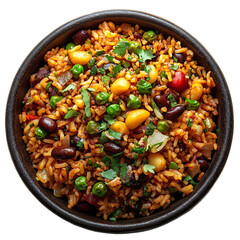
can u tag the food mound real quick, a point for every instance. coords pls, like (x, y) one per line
(120, 122)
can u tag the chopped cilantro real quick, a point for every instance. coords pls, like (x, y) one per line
(93, 70)
(79, 144)
(172, 190)
(116, 70)
(106, 79)
(217, 131)
(31, 125)
(89, 162)
(123, 171)
(96, 165)
(103, 139)
(102, 70)
(99, 53)
(189, 123)
(106, 160)
(86, 100)
(91, 89)
(115, 164)
(139, 150)
(150, 128)
(110, 58)
(103, 127)
(173, 165)
(101, 146)
(145, 192)
(172, 100)
(109, 119)
(69, 87)
(114, 215)
(126, 64)
(175, 59)
(91, 62)
(144, 54)
(71, 113)
(174, 67)
(190, 180)
(109, 174)
(163, 74)
(148, 168)
(48, 85)
(137, 70)
(121, 47)
(129, 57)
(116, 135)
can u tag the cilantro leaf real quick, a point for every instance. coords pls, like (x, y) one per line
(189, 123)
(86, 100)
(99, 53)
(105, 79)
(103, 127)
(116, 135)
(116, 70)
(172, 100)
(144, 54)
(71, 113)
(109, 174)
(79, 144)
(69, 87)
(150, 129)
(106, 159)
(148, 168)
(174, 67)
(48, 85)
(109, 119)
(110, 58)
(121, 47)
(139, 150)
(96, 165)
(123, 171)
(115, 164)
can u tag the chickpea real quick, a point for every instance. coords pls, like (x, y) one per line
(121, 85)
(121, 127)
(196, 91)
(136, 118)
(153, 74)
(157, 160)
(80, 57)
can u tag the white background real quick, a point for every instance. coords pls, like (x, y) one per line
(214, 23)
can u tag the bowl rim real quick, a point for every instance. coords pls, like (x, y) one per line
(121, 226)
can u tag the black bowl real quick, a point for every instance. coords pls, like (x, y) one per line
(21, 158)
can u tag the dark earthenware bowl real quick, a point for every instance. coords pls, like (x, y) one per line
(62, 36)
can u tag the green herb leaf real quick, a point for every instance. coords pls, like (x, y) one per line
(172, 100)
(144, 87)
(149, 168)
(106, 80)
(217, 131)
(175, 59)
(115, 164)
(102, 70)
(173, 165)
(150, 128)
(145, 192)
(89, 162)
(190, 180)
(116, 213)
(79, 144)
(106, 160)
(109, 174)
(103, 127)
(96, 165)
(123, 171)
(48, 85)
(91, 89)
(69, 87)
(144, 54)
(189, 123)
(139, 150)
(116, 135)
(174, 67)
(163, 74)
(129, 57)
(121, 47)
(116, 70)
(147, 69)
(101, 146)
(91, 62)
(103, 139)
(93, 70)
(99, 53)
(109, 119)
(172, 190)
(86, 100)
(71, 113)
(126, 64)
(110, 58)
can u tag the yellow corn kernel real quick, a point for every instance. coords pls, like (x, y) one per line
(121, 127)
(121, 85)
(80, 57)
(136, 117)
(157, 160)
(196, 91)
(153, 74)
(79, 102)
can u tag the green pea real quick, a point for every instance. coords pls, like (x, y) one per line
(102, 98)
(150, 36)
(133, 102)
(113, 110)
(163, 126)
(133, 46)
(144, 87)
(54, 100)
(81, 183)
(70, 46)
(76, 70)
(93, 127)
(99, 189)
(192, 104)
(40, 133)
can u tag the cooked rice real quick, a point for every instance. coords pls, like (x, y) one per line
(185, 146)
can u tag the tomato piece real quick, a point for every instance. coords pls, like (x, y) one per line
(31, 117)
(179, 82)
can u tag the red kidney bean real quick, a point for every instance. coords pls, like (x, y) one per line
(73, 140)
(93, 199)
(86, 207)
(181, 57)
(80, 37)
(47, 124)
(174, 112)
(161, 101)
(39, 76)
(112, 148)
(139, 129)
(203, 164)
(52, 91)
(63, 152)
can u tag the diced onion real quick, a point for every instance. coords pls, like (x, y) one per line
(63, 78)
(157, 113)
(157, 141)
(42, 175)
